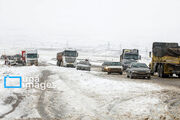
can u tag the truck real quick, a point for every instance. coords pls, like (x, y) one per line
(9, 60)
(128, 56)
(165, 59)
(30, 57)
(18, 59)
(67, 58)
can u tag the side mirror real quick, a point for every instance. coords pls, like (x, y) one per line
(150, 54)
(139, 57)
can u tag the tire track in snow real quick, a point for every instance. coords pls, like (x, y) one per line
(41, 106)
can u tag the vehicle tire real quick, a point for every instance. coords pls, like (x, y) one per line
(149, 77)
(158, 70)
(131, 77)
(109, 73)
(179, 76)
(152, 73)
(58, 63)
(127, 75)
(170, 75)
(120, 73)
(162, 75)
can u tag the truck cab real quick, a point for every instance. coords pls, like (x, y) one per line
(69, 58)
(129, 56)
(31, 57)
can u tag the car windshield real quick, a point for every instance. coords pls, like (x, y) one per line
(106, 63)
(31, 55)
(115, 64)
(131, 56)
(10, 57)
(70, 53)
(139, 65)
(84, 62)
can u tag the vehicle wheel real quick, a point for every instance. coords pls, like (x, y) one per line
(120, 73)
(162, 75)
(58, 63)
(152, 73)
(149, 77)
(159, 67)
(131, 77)
(161, 71)
(109, 73)
(170, 75)
(127, 75)
(179, 76)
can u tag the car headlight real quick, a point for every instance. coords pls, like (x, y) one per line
(134, 71)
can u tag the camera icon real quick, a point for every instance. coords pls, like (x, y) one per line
(12, 81)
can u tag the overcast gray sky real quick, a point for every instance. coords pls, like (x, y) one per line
(89, 21)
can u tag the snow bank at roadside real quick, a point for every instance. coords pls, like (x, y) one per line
(19, 101)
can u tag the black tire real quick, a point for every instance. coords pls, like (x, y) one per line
(158, 70)
(161, 74)
(127, 75)
(149, 77)
(152, 73)
(120, 73)
(170, 75)
(109, 73)
(179, 76)
(131, 77)
(58, 63)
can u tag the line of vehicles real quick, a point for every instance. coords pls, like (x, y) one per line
(165, 62)
(27, 57)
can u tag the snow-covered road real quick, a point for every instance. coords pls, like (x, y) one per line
(80, 95)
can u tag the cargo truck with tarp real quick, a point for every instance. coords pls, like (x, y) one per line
(165, 59)
(67, 58)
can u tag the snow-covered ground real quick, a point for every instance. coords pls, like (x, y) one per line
(80, 95)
